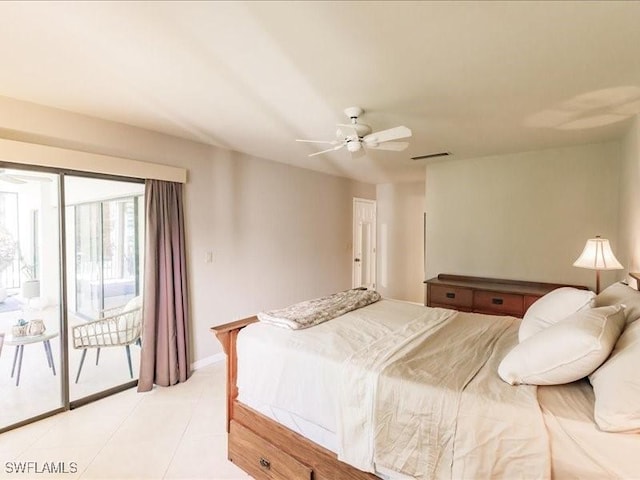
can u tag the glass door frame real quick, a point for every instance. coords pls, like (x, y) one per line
(66, 403)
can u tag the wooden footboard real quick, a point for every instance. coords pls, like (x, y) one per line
(264, 448)
(227, 334)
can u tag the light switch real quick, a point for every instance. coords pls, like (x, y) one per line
(209, 257)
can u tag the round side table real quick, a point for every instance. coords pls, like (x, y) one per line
(20, 342)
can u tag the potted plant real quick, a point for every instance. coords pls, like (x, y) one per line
(31, 286)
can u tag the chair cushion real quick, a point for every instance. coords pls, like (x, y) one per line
(129, 321)
(135, 302)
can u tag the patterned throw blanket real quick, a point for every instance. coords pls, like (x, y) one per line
(312, 312)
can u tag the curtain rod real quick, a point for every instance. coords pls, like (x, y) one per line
(76, 161)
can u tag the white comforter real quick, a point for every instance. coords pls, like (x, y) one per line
(407, 388)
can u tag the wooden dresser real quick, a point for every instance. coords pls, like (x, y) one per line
(485, 295)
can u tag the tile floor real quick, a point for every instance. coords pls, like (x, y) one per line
(168, 433)
(39, 391)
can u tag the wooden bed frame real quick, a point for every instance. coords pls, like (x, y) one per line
(264, 448)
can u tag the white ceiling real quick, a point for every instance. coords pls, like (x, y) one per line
(474, 79)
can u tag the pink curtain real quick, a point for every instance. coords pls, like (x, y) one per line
(164, 359)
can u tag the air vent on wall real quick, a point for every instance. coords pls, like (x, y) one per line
(431, 155)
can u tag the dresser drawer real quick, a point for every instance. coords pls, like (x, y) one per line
(486, 295)
(262, 460)
(498, 303)
(450, 295)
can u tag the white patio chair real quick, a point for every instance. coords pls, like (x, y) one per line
(119, 329)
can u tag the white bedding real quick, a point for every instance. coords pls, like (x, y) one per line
(579, 450)
(297, 371)
(293, 377)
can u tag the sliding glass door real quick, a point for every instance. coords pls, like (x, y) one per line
(70, 290)
(104, 239)
(31, 323)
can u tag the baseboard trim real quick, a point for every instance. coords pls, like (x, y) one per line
(203, 362)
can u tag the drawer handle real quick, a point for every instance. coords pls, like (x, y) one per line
(451, 295)
(497, 301)
(264, 463)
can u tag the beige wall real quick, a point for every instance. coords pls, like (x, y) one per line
(29, 122)
(522, 216)
(279, 234)
(400, 254)
(629, 232)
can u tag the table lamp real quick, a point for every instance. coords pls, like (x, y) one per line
(597, 255)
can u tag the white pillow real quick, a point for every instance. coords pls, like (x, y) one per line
(567, 351)
(616, 385)
(135, 302)
(129, 324)
(553, 307)
(620, 294)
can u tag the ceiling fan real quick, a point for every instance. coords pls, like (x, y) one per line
(19, 179)
(356, 135)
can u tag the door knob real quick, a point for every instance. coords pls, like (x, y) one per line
(356, 259)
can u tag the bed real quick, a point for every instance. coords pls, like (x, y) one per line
(396, 390)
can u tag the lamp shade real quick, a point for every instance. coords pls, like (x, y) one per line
(31, 289)
(597, 255)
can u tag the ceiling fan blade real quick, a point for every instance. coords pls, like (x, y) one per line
(337, 147)
(386, 135)
(394, 146)
(330, 142)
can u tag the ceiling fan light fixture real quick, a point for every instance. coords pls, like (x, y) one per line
(353, 146)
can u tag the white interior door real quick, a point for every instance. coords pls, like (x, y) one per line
(364, 243)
